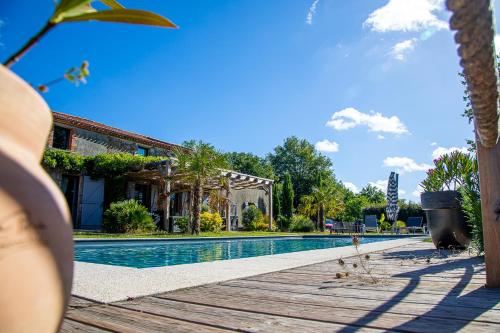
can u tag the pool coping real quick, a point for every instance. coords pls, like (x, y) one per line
(107, 283)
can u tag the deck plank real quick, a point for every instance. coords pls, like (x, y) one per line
(465, 300)
(70, 326)
(412, 295)
(333, 302)
(235, 319)
(121, 320)
(378, 319)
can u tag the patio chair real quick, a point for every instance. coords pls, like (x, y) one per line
(371, 223)
(415, 223)
(338, 227)
(350, 227)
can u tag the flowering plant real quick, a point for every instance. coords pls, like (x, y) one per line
(450, 172)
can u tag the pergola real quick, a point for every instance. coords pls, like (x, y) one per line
(473, 20)
(165, 174)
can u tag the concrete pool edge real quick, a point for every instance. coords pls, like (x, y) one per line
(106, 283)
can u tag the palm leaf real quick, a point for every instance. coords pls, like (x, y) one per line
(133, 16)
(66, 6)
(112, 4)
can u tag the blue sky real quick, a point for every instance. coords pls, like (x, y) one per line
(372, 82)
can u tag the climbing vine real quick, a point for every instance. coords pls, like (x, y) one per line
(107, 165)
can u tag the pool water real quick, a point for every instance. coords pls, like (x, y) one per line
(143, 254)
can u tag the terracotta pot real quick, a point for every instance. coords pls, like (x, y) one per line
(36, 243)
(445, 219)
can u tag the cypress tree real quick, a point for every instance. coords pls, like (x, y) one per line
(277, 192)
(288, 196)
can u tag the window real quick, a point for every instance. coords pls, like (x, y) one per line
(61, 138)
(142, 151)
(142, 194)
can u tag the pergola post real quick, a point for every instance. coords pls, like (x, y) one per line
(478, 59)
(270, 193)
(166, 193)
(489, 174)
(228, 204)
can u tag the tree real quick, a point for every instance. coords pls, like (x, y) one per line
(277, 195)
(353, 206)
(288, 197)
(373, 194)
(250, 164)
(325, 200)
(302, 162)
(196, 165)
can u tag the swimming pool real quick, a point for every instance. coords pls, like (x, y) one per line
(144, 254)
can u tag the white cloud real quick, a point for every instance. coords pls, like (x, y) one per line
(380, 137)
(405, 164)
(401, 49)
(439, 151)
(327, 146)
(417, 192)
(351, 186)
(311, 12)
(407, 15)
(433, 144)
(497, 43)
(376, 122)
(380, 184)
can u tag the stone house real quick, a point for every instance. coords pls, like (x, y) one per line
(166, 200)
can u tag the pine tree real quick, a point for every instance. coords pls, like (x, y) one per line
(288, 196)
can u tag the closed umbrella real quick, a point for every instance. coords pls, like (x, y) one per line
(392, 208)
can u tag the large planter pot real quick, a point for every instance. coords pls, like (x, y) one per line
(445, 219)
(36, 244)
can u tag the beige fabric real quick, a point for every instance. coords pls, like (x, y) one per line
(36, 246)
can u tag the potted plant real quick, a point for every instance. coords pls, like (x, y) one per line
(36, 241)
(442, 201)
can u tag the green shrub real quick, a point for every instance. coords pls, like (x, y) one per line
(471, 206)
(182, 223)
(210, 222)
(383, 224)
(300, 223)
(251, 214)
(253, 219)
(406, 210)
(283, 222)
(205, 208)
(127, 216)
(401, 224)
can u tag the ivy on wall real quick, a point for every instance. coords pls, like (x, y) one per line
(108, 165)
(63, 160)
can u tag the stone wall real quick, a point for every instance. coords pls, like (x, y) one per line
(89, 143)
(242, 198)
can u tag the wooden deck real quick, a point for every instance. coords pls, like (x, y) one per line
(413, 294)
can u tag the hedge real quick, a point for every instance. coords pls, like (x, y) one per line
(405, 211)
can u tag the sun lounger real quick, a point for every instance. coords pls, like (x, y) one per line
(415, 223)
(371, 223)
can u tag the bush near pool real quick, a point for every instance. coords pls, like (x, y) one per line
(127, 216)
